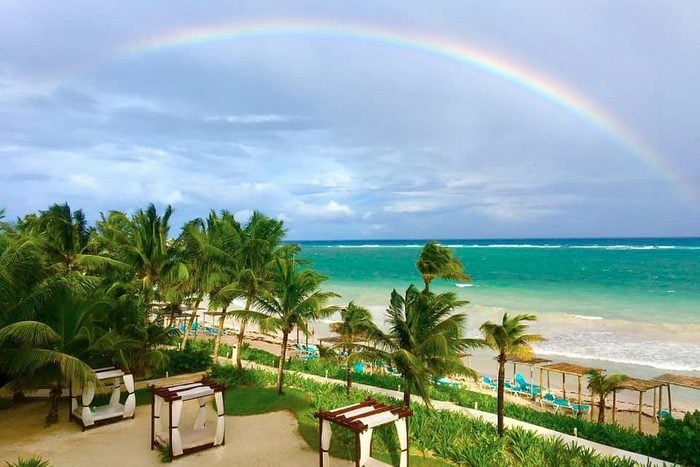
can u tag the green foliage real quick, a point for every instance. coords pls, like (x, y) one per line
(194, 357)
(437, 437)
(34, 461)
(680, 439)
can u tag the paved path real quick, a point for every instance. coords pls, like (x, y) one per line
(487, 416)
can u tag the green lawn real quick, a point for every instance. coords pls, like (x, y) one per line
(257, 400)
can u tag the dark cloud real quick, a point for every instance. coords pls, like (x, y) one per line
(353, 138)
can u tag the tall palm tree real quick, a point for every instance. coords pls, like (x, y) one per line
(293, 300)
(356, 322)
(424, 339)
(508, 338)
(205, 259)
(602, 385)
(437, 261)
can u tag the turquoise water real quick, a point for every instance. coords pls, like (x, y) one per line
(633, 301)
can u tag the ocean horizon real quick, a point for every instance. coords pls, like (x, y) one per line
(615, 301)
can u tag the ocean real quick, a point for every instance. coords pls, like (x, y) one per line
(627, 305)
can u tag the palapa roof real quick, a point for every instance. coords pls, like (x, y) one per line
(641, 385)
(527, 361)
(331, 339)
(568, 368)
(680, 380)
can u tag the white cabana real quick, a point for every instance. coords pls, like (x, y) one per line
(89, 415)
(179, 439)
(362, 418)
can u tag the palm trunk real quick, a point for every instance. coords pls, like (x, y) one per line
(241, 337)
(280, 367)
(190, 323)
(406, 392)
(55, 397)
(601, 408)
(427, 285)
(217, 341)
(501, 381)
(349, 375)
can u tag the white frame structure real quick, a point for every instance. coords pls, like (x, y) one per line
(202, 435)
(88, 415)
(362, 418)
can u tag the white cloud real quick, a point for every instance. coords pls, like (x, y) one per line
(250, 118)
(328, 211)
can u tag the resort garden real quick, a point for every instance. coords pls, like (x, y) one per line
(74, 297)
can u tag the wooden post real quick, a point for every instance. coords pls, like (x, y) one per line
(153, 416)
(170, 429)
(563, 385)
(661, 399)
(514, 365)
(614, 403)
(549, 388)
(670, 410)
(541, 381)
(640, 410)
(357, 449)
(592, 404)
(579, 391)
(653, 416)
(320, 438)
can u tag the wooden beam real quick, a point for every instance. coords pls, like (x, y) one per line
(640, 411)
(579, 390)
(563, 385)
(653, 414)
(670, 409)
(614, 409)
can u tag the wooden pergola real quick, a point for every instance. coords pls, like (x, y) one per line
(362, 418)
(565, 369)
(642, 386)
(531, 362)
(668, 379)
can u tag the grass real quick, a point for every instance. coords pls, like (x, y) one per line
(241, 401)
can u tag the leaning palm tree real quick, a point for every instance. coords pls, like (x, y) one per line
(356, 322)
(437, 261)
(508, 338)
(424, 340)
(293, 300)
(601, 384)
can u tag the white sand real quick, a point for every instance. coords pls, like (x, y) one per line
(258, 440)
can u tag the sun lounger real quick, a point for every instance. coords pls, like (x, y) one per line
(448, 382)
(579, 409)
(547, 399)
(663, 414)
(560, 403)
(488, 383)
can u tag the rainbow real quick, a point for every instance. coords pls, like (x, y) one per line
(506, 69)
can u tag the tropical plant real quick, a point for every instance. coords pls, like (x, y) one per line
(601, 384)
(424, 340)
(34, 461)
(294, 299)
(680, 439)
(437, 261)
(356, 322)
(508, 338)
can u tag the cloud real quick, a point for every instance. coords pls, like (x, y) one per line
(249, 118)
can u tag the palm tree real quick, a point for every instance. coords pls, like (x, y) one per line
(356, 322)
(424, 339)
(508, 338)
(294, 299)
(437, 261)
(601, 384)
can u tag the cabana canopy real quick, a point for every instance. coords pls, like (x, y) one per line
(178, 440)
(668, 379)
(641, 386)
(88, 415)
(362, 418)
(566, 369)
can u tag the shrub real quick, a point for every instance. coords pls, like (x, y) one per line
(34, 461)
(679, 440)
(196, 356)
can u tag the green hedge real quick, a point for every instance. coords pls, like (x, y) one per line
(196, 356)
(446, 435)
(610, 434)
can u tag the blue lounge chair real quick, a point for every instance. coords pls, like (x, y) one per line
(448, 382)
(560, 403)
(663, 414)
(488, 382)
(548, 399)
(579, 409)
(359, 367)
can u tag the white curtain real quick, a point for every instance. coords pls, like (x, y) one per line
(88, 394)
(74, 397)
(175, 431)
(402, 430)
(157, 409)
(116, 393)
(201, 419)
(130, 403)
(220, 422)
(365, 443)
(326, 434)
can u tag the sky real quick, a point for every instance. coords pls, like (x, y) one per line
(359, 120)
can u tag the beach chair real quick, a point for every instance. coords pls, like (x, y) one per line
(392, 372)
(663, 414)
(488, 383)
(547, 399)
(580, 409)
(560, 403)
(359, 367)
(444, 381)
